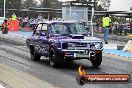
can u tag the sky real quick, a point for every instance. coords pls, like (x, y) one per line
(117, 5)
(120, 5)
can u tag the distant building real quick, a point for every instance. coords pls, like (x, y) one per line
(75, 10)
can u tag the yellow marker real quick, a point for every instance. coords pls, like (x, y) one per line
(130, 35)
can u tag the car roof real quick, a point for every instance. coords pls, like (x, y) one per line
(50, 22)
(2, 18)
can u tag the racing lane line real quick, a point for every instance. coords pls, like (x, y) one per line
(21, 47)
(16, 53)
(10, 49)
(18, 79)
(13, 58)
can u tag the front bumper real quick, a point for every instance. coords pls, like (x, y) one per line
(80, 54)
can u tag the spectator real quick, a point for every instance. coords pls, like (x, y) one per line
(40, 18)
(25, 21)
(97, 24)
(120, 28)
(131, 27)
(32, 22)
(5, 27)
(116, 25)
(106, 27)
(14, 17)
(125, 29)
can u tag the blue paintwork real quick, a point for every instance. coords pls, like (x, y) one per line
(22, 33)
(118, 52)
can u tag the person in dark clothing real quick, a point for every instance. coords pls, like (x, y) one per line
(97, 25)
(125, 29)
(131, 27)
(120, 28)
(5, 27)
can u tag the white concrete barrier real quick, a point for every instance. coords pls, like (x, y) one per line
(128, 46)
(1, 86)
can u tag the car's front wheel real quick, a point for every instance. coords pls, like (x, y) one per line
(55, 59)
(96, 60)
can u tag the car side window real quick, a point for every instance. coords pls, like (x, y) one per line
(38, 29)
(44, 28)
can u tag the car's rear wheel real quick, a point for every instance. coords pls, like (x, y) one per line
(34, 55)
(96, 60)
(55, 59)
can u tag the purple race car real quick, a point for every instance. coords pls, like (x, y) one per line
(64, 40)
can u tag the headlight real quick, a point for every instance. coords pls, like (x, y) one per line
(68, 45)
(98, 45)
(64, 45)
(71, 45)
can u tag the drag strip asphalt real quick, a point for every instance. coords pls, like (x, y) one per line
(16, 56)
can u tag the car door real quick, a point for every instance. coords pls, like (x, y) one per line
(43, 40)
(36, 38)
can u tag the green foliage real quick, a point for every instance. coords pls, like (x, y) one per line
(29, 3)
(50, 4)
(105, 4)
(13, 4)
(118, 19)
(10, 4)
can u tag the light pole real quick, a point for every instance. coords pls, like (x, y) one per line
(92, 16)
(4, 8)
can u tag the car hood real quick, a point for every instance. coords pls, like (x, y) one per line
(76, 38)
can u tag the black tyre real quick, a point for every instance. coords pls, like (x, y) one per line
(81, 80)
(55, 58)
(34, 55)
(96, 60)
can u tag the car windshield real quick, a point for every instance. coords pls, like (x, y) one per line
(68, 28)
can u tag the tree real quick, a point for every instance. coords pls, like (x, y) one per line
(50, 4)
(13, 4)
(29, 3)
(45, 3)
(105, 4)
(99, 8)
(1, 7)
(10, 4)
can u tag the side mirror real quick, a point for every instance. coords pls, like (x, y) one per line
(48, 35)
